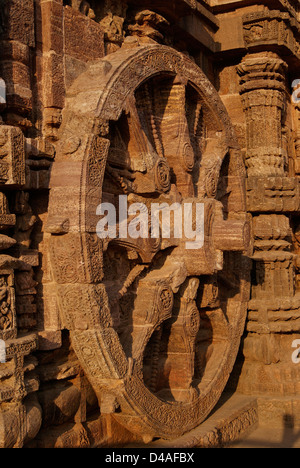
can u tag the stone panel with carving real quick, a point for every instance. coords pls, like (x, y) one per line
(167, 139)
(126, 339)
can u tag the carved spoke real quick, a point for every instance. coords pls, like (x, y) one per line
(151, 319)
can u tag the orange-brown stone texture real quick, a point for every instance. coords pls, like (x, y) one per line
(110, 342)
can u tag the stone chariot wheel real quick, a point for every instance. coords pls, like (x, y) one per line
(156, 326)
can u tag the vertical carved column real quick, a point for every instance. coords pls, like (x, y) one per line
(17, 310)
(17, 377)
(50, 41)
(273, 194)
(262, 78)
(17, 41)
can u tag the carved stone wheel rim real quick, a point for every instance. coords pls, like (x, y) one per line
(95, 100)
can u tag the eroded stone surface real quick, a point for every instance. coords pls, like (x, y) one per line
(111, 342)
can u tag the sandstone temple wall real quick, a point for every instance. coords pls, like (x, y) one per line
(75, 78)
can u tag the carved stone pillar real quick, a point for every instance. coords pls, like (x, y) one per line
(262, 78)
(274, 261)
(273, 311)
(272, 196)
(17, 377)
(17, 41)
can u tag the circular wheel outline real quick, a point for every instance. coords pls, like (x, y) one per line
(96, 98)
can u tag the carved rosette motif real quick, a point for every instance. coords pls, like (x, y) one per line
(121, 300)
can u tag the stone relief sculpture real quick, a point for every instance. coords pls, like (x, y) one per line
(160, 139)
(6, 314)
(123, 339)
